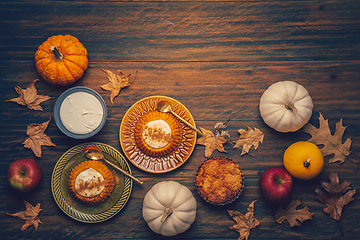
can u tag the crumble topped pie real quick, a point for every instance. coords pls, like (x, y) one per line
(219, 180)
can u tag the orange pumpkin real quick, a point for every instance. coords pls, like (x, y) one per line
(61, 60)
(303, 160)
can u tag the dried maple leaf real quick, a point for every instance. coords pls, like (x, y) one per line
(244, 223)
(293, 216)
(30, 216)
(116, 83)
(28, 97)
(335, 200)
(211, 142)
(249, 138)
(37, 137)
(332, 143)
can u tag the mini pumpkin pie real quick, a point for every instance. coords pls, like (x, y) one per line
(157, 134)
(91, 182)
(219, 180)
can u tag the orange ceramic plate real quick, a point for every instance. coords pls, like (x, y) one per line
(144, 161)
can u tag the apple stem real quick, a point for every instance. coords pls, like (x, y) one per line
(307, 163)
(279, 181)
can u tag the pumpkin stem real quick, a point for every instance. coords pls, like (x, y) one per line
(307, 163)
(290, 106)
(167, 212)
(58, 55)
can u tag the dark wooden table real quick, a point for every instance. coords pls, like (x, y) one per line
(217, 58)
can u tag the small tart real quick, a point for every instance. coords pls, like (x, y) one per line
(219, 180)
(157, 134)
(91, 182)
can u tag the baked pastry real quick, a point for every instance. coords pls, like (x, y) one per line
(91, 182)
(157, 134)
(219, 180)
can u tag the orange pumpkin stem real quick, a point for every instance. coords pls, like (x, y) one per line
(167, 212)
(307, 163)
(58, 55)
(290, 106)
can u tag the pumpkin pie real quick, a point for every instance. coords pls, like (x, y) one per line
(91, 182)
(157, 134)
(219, 180)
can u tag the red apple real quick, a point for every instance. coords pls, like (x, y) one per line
(275, 185)
(24, 174)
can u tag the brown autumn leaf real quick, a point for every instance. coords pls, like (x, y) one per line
(338, 195)
(28, 97)
(37, 137)
(211, 142)
(30, 216)
(244, 223)
(116, 83)
(332, 143)
(249, 138)
(293, 216)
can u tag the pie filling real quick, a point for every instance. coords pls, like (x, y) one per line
(89, 183)
(157, 134)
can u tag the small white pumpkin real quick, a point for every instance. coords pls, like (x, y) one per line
(286, 106)
(169, 208)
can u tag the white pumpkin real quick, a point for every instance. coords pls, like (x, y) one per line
(169, 208)
(286, 106)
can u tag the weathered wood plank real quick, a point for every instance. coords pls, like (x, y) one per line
(195, 31)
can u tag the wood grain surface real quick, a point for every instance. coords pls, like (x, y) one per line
(216, 58)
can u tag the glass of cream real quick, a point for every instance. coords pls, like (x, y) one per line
(80, 112)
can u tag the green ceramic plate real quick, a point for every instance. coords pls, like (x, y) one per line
(78, 211)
